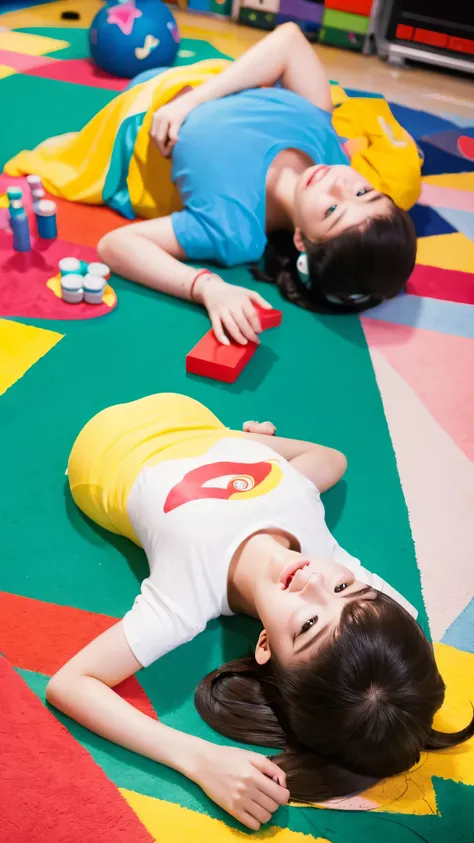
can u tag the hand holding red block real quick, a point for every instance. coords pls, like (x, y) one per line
(210, 359)
(268, 318)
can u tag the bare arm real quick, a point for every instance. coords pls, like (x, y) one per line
(149, 253)
(323, 466)
(285, 55)
(83, 689)
(234, 778)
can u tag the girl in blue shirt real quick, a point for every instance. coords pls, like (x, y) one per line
(252, 160)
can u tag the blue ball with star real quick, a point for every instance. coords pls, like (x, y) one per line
(129, 36)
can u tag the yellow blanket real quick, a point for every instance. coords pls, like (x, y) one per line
(112, 160)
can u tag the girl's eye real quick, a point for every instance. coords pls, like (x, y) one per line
(330, 211)
(341, 587)
(363, 191)
(309, 624)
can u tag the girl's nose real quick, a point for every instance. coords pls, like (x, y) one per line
(340, 185)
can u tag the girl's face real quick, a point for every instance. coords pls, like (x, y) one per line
(299, 601)
(330, 200)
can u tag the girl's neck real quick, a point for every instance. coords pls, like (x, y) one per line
(248, 560)
(282, 177)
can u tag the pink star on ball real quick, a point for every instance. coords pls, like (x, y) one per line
(124, 15)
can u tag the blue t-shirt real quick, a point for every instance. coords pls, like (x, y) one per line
(220, 164)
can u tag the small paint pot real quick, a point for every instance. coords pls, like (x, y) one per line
(69, 266)
(94, 286)
(72, 289)
(100, 270)
(36, 186)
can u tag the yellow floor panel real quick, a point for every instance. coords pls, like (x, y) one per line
(446, 251)
(167, 821)
(415, 87)
(49, 14)
(31, 45)
(460, 181)
(21, 346)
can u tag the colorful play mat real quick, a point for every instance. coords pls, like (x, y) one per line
(393, 390)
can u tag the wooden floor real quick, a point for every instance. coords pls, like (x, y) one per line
(414, 86)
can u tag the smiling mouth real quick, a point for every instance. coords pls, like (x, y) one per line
(318, 173)
(289, 571)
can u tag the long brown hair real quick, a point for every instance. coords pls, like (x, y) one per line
(361, 710)
(349, 273)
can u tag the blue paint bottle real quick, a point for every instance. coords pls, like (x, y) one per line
(21, 232)
(45, 211)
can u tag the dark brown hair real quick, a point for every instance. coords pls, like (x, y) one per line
(361, 710)
(372, 261)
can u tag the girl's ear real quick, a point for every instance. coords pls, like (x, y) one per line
(298, 240)
(263, 652)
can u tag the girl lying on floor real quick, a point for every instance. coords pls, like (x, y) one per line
(343, 680)
(266, 160)
(256, 159)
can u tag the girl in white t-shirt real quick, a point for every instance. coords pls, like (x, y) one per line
(343, 679)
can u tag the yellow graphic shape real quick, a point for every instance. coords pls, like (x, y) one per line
(446, 251)
(166, 821)
(460, 181)
(54, 284)
(32, 45)
(5, 71)
(263, 488)
(21, 346)
(148, 45)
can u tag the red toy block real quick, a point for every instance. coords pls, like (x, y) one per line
(269, 318)
(211, 359)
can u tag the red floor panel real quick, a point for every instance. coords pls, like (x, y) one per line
(51, 788)
(41, 637)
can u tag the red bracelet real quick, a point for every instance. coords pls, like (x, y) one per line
(198, 275)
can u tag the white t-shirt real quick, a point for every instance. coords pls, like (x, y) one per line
(192, 514)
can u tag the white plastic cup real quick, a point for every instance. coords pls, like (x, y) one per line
(100, 270)
(72, 288)
(94, 286)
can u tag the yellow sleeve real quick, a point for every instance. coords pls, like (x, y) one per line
(380, 148)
